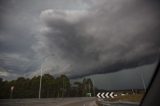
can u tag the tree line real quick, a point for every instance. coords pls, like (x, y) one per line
(51, 87)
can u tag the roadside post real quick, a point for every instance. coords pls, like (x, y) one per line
(11, 93)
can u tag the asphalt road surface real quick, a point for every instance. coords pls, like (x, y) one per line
(49, 102)
(83, 101)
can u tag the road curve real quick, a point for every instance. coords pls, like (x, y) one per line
(83, 102)
(87, 101)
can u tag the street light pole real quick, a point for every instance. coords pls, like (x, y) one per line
(40, 82)
(140, 74)
(93, 87)
(142, 78)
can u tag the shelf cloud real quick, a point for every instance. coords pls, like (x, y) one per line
(108, 37)
(81, 39)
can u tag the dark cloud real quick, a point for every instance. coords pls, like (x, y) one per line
(109, 37)
(86, 37)
(125, 79)
(16, 39)
(20, 52)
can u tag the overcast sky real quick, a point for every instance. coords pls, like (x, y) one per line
(77, 38)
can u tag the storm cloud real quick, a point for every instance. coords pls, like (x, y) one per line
(108, 37)
(79, 38)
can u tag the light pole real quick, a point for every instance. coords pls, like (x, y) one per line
(142, 78)
(93, 87)
(40, 82)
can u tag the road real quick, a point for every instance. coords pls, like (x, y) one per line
(117, 103)
(83, 101)
(49, 102)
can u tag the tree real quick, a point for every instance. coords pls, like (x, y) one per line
(48, 86)
(4, 89)
(51, 87)
(79, 89)
(87, 86)
(63, 85)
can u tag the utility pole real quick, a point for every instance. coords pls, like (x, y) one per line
(94, 88)
(40, 82)
(89, 87)
(142, 78)
(62, 87)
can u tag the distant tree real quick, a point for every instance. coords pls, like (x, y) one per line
(4, 89)
(87, 86)
(62, 86)
(51, 87)
(34, 86)
(21, 87)
(79, 89)
(1, 80)
(48, 86)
